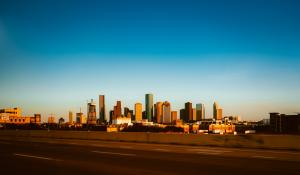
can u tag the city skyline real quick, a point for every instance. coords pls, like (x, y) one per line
(245, 55)
(188, 113)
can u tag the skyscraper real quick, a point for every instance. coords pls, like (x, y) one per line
(102, 115)
(159, 112)
(149, 107)
(166, 111)
(194, 115)
(91, 113)
(154, 113)
(111, 115)
(217, 112)
(138, 111)
(182, 114)
(188, 111)
(173, 116)
(126, 111)
(200, 110)
(79, 117)
(70, 117)
(118, 109)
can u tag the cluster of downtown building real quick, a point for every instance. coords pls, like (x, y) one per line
(157, 114)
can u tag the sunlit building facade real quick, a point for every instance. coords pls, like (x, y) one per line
(51, 120)
(159, 112)
(14, 116)
(194, 114)
(217, 111)
(118, 109)
(12, 112)
(70, 117)
(138, 111)
(188, 111)
(166, 111)
(79, 117)
(200, 112)
(174, 116)
(91, 113)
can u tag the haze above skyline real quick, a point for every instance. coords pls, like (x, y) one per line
(56, 55)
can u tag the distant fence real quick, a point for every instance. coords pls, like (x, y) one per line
(291, 142)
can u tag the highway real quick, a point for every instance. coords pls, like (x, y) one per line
(61, 156)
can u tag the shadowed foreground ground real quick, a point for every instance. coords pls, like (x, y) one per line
(62, 156)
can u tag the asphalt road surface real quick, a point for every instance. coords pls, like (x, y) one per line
(58, 156)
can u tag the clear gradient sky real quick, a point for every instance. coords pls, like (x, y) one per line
(57, 54)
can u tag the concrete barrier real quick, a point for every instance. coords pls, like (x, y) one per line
(290, 142)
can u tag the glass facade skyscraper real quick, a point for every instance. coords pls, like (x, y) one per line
(149, 107)
(102, 116)
(200, 110)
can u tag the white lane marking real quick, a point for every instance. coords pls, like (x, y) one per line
(125, 147)
(36, 157)
(6, 143)
(113, 153)
(160, 149)
(263, 157)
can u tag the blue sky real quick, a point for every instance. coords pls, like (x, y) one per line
(55, 55)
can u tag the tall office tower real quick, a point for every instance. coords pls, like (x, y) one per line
(117, 110)
(102, 115)
(144, 115)
(149, 107)
(200, 110)
(182, 114)
(159, 112)
(130, 112)
(126, 111)
(111, 115)
(138, 111)
(70, 117)
(154, 114)
(217, 111)
(91, 113)
(188, 111)
(79, 117)
(166, 111)
(174, 116)
(194, 114)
